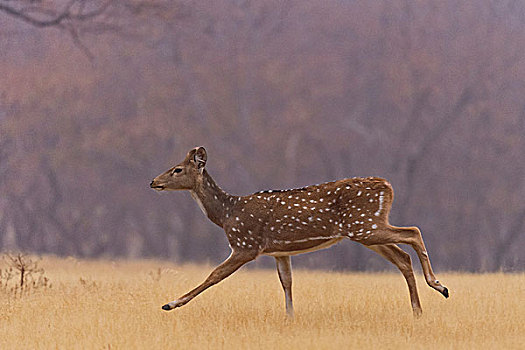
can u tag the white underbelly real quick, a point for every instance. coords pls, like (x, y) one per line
(312, 249)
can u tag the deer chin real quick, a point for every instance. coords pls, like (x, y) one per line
(165, 188)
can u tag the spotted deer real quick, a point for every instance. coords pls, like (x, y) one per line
(282, 223)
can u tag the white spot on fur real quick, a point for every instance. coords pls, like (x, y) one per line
(381, 199)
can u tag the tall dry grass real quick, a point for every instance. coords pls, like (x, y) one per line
(116, 305)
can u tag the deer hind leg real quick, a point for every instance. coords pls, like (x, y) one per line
(284, 269)
(229, 266)
(402, 261)
(412, 236)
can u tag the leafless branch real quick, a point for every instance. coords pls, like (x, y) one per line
(72, 17)
(78, 18)
(33, 14)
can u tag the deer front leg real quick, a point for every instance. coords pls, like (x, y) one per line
(284, 269)
(229, 266)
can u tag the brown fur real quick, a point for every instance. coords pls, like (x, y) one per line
(281, 223)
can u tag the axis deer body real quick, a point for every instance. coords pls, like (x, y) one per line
(281, 223)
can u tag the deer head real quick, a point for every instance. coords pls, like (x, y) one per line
(184, 175)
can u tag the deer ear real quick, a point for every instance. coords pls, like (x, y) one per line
(199, 158)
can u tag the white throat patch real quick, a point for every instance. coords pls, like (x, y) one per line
(197, 199)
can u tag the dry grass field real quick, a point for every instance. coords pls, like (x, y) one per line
(116, 305)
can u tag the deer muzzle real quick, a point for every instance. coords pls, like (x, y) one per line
(156, 185)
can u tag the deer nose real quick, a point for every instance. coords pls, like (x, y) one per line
(151, 184)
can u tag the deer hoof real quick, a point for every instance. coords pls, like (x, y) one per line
(445, 292)
(417, 313)
(166, 307)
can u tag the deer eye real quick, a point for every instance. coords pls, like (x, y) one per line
(176, 170)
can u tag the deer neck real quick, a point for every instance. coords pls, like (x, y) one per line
(213, 201)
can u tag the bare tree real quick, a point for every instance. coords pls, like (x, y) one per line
(69, 16)
(81, 17)
(54, 14)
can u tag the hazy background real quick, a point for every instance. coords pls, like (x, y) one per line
(429, 94)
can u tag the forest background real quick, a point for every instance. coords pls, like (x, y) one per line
(282, 94)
